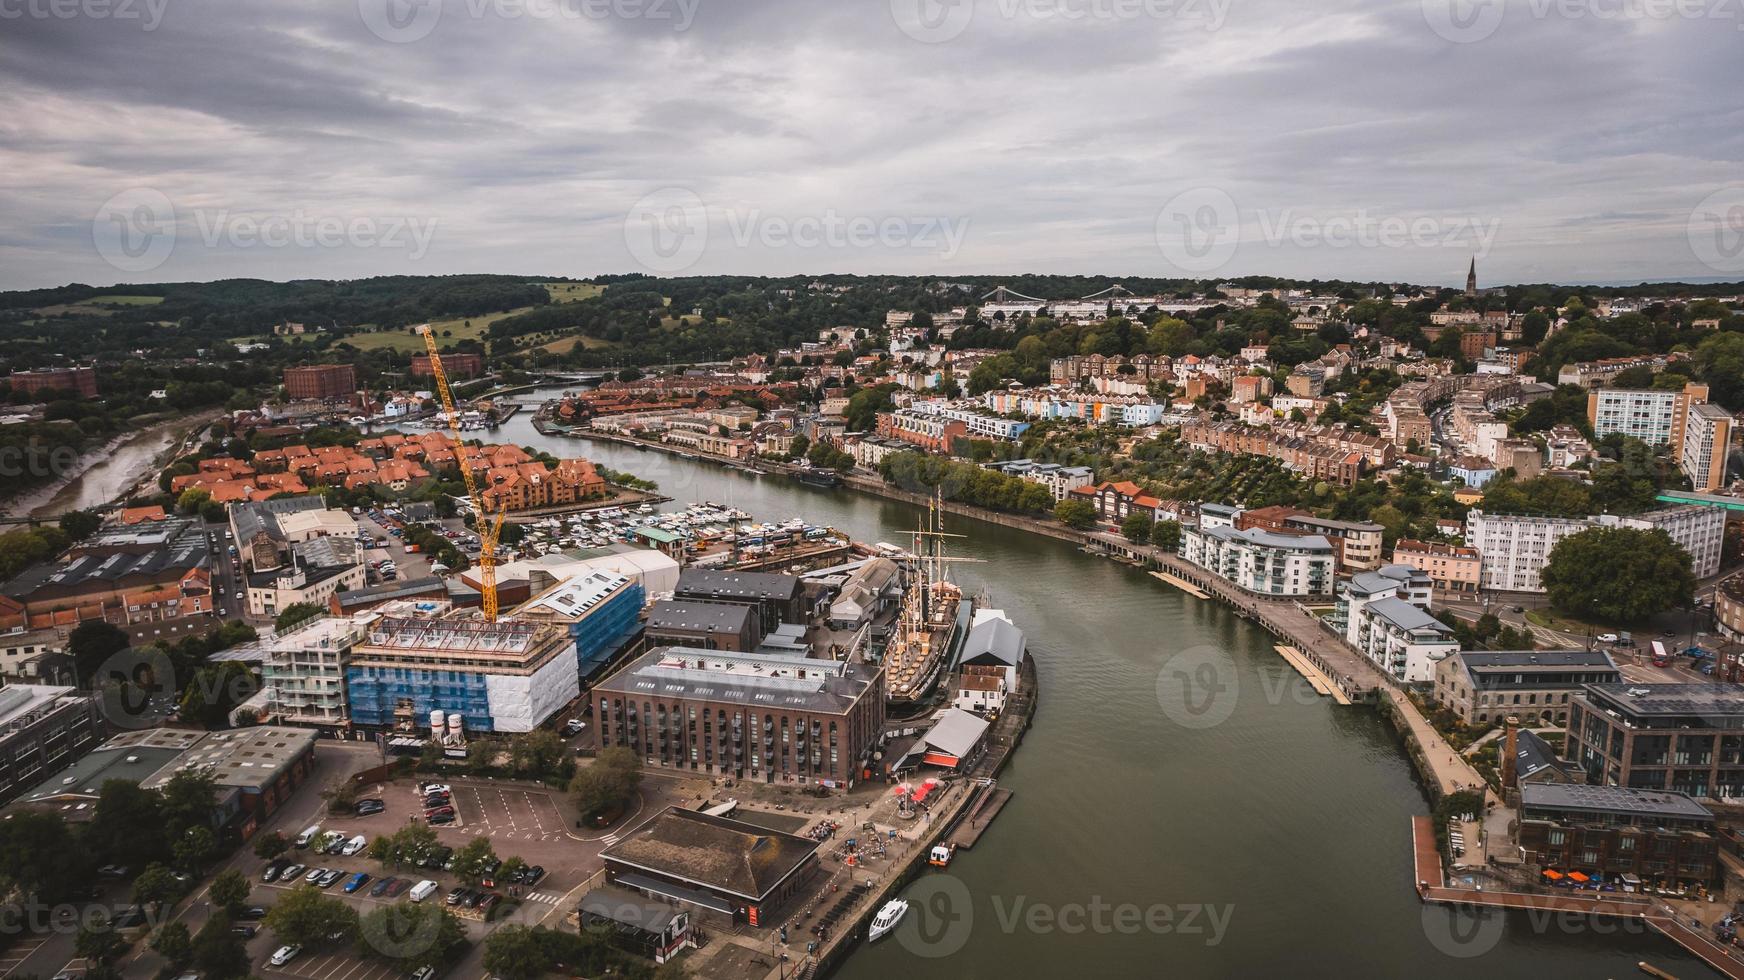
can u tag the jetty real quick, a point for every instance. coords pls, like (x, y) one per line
(1322, 684)
(1182, 584)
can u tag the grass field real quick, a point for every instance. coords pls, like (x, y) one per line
(456, 329)
(127, 300)
(570, 292)
(566, 344)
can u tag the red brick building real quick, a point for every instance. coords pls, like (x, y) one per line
(457, 365)
(321, 381)
(81, 381)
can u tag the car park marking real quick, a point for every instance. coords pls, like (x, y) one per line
(15, 957)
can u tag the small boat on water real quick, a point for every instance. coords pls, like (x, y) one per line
(887, 918)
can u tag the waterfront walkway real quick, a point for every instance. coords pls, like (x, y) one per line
(1432, 887)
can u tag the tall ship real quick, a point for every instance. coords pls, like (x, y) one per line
(935, 619)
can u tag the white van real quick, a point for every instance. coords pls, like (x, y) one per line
(422, 890)
(355, 845)
(307, 837)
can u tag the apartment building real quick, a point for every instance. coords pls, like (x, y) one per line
(1657, 418)
(320, 381)
(1659, 838)
(499, 677)
(766, 718)
(1262, 561)
(1515, 548)
(1451, 567)
(1707, 439)
(1356, 543)
(303, 671)
(1593, 374)
(1060, 480)
(43, 729)
(1401, 638)
(455, 364)
(932, 433)
(1535, 686)
(1688, 738)
(80, 382)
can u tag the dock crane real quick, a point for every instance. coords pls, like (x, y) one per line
(487, 537)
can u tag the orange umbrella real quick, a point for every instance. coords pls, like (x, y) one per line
(1576, 876)
(1553, 875)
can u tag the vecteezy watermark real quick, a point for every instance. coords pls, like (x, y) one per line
(37, 461)
(942, 915)
(405, 21)
(1198, 687)
(938, 21)
(669, 230)
(1716, 231)
(148, 14)
(136, 688)
(30, 915)
(137, 230)
(1468, 21)
(1199, 230)
(1463, 931)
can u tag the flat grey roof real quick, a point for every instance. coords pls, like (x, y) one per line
(1481, 659)
(702, 583)
(699, 617)
(1612, 799)
(1717, 704)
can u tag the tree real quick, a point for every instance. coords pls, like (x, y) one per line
(92, 642)
(97, 942)
(406, 846)
(305, 915)
(230, 889)
(295, 613)
(515, 953)
(1166, 535)
(219, 954)
(188, 800)
(174, 944)
(473, 859)
(269, 846)
(538, 754)
(155, 885)
(128, 826)
(1076, 514)
(195, 848)
(1136, 527)
(79, 524)
(410, 935)
(192, 499)
(613, 779)
(217, 690)
(38, 856)
(1618, 574)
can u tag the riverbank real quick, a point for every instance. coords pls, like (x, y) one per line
(101, 476)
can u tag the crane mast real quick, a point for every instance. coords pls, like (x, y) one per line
(487, 537)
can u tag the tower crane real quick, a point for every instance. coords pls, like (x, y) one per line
(487, 536)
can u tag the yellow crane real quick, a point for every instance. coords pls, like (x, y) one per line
(487, 537)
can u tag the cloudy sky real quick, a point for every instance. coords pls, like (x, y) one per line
(152, 140)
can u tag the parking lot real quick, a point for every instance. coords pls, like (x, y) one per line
(340, 965)
(509, 813)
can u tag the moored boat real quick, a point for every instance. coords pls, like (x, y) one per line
(887, 918)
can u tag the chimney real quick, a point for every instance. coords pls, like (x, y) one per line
(1510, 753)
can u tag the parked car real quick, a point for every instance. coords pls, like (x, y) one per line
(440, 811)
(366, 807)
(440, 819)
(381, 887)
(455, 894)
(574, 726)
(1607, 637)
(285, 954)
(398, 887)
(354, 845)
(328, 879)
(291, 873)
(531, 876)
(357, 881)
(315, 874)
(113, 870)
(252, 912)
(246, 932)
(274, 869)
(424, 973)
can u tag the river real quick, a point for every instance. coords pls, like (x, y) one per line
(106, 474)
(1250, 830)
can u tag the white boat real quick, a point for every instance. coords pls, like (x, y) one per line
(887, 918)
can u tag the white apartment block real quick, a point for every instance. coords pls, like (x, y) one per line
(1262, 561)
(303, 671)
(1655, 417)
(1402, 639)
(1515, 549)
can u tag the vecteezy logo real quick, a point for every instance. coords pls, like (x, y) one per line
(136, 688)
(402, 932)
(667, 230)
(400, 21)
(1199, 229)
(1464, 21)
(940, 917)
(932, 21)
(135, 231)
(1716, 230)
(1198, 687)
(1463, 931)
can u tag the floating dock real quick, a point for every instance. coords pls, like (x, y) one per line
(978, 817)
(1182, 584)
(1322, 684)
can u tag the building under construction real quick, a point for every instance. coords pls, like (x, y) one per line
(481, 676)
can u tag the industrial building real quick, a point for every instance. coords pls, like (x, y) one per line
(600, 611)
(43, 729)
(713, 864)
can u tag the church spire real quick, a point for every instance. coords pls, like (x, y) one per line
(1471, 278)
